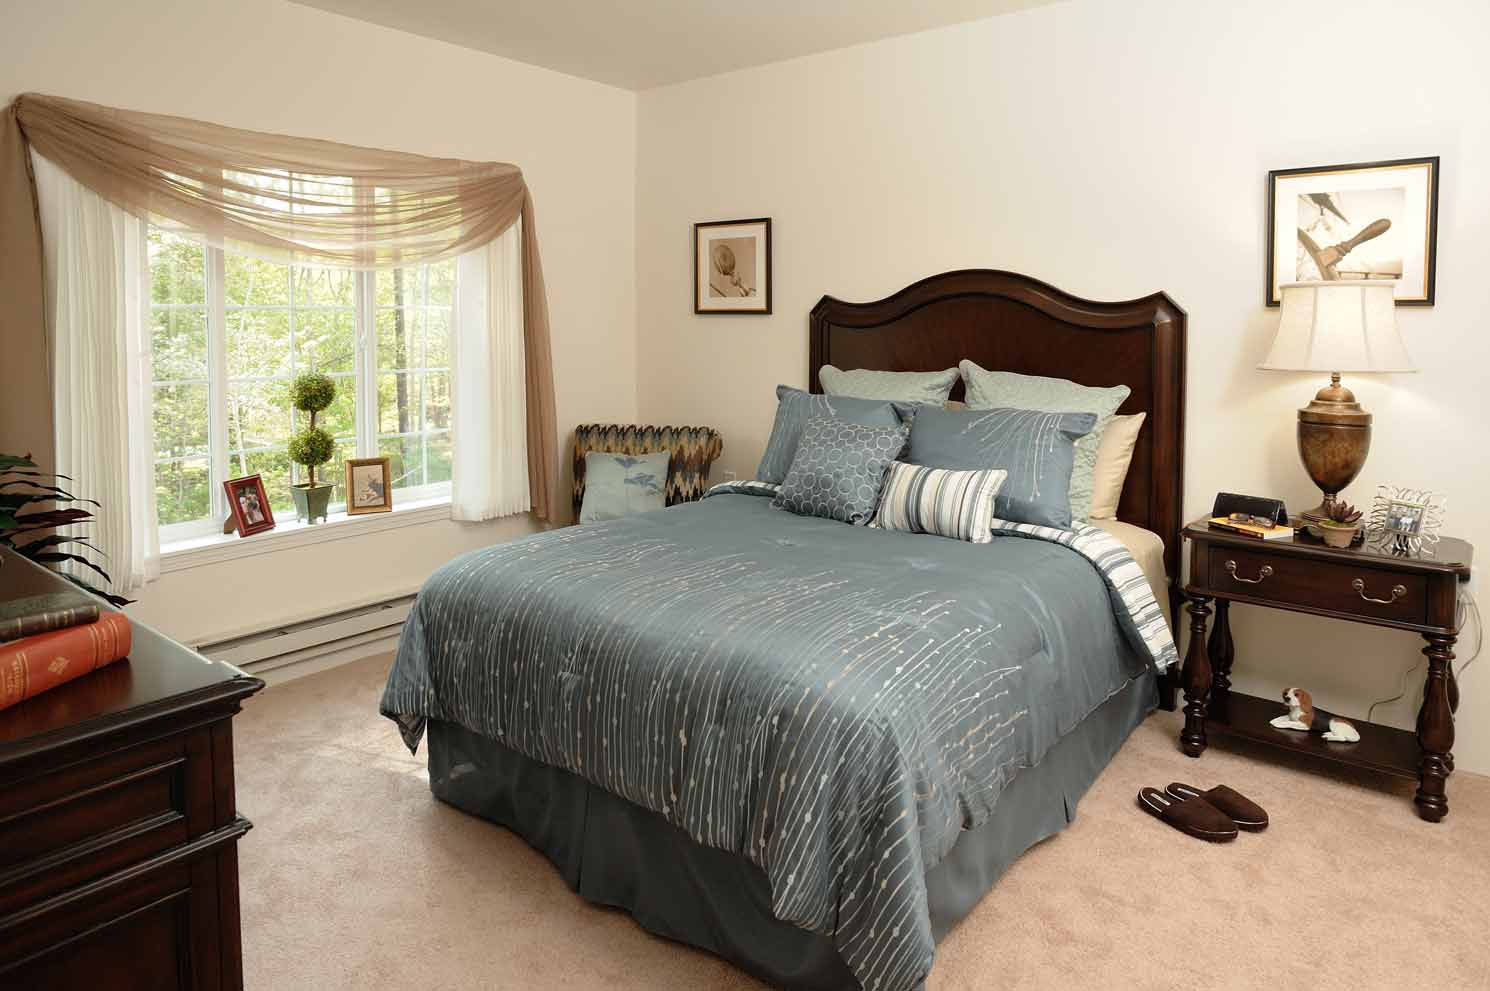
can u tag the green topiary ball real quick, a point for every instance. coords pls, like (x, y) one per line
(312, 446)
(312, 392)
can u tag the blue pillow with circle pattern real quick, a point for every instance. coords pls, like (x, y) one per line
(839, 468)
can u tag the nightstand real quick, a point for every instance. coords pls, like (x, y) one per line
(1364, 584)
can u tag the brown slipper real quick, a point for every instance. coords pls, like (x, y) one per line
(1194, 816)
(1246, 813)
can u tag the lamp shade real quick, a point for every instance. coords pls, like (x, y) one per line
(1344, 326)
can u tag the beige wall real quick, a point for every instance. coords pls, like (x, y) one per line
(275, 66)
(1112, 149)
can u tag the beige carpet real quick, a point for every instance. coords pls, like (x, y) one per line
(355, 877)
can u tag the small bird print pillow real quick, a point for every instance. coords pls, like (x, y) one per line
(619, 485)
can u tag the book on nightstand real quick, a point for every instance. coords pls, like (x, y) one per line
(32, 614)
(51, 633)
(33, 665)
(1251, 530)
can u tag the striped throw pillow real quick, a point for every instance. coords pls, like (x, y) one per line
(943, 501)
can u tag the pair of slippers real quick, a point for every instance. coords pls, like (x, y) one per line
(1213, 815)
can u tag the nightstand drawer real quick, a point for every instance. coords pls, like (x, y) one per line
(1339, 588)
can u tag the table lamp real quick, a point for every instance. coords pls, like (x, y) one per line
(1340, 326)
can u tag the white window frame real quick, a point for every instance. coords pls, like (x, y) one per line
(365, 374)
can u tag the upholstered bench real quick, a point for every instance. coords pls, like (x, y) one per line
(691, 451)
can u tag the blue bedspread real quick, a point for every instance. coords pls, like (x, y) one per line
(833, 703)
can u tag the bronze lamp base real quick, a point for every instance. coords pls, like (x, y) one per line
(1334, 437)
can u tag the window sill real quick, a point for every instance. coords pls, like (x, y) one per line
(216, 548)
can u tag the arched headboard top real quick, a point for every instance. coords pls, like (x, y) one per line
(1005, 321)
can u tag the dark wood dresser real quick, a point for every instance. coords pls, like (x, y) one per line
(118, 830)
(1362, 584)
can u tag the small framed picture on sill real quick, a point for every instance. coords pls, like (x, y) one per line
(369, 486)
(249, 505)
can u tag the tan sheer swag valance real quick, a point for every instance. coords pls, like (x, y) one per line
(294, 199)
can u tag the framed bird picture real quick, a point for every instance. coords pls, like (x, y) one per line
(1370, 220)
(732, 266)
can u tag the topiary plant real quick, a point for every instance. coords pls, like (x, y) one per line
(314, 446)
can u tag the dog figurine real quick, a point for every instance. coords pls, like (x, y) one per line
(1304, 716)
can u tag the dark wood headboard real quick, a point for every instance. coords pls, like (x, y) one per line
(1013, 323)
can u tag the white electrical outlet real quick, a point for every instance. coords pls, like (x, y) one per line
(729, 476)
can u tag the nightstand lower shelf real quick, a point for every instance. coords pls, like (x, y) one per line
(1383, 749)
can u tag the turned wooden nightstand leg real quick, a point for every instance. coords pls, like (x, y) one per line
(1195, 678)
(1220, 649)
(1436, 729)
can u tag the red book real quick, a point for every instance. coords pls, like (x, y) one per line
(36, 664)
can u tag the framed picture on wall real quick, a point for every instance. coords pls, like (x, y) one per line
(1370, 220)
(732, 266)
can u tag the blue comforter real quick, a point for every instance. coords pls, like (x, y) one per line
(833, 703)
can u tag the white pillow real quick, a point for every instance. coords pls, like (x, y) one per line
(1114, 455)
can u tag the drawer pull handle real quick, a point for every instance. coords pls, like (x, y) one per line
(1266, 571)
(1398, 591)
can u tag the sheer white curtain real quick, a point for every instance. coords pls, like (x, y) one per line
(488, 395)
(95, 262)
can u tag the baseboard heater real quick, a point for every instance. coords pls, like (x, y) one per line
(315, 644)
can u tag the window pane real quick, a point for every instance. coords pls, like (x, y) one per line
(335, 471)
(400, 286)
(258, 343)
(181, 491)
(398, 402)
(258, 414)
(180, 420)
(442, 283)
(177, 269)
(341, 416)
(254, 282)
(437, 338)
(437, 401)
(398, 338)
(438, 457)
(325, 340)
(318, 286)
(406, 459)
(274, 466)
(178, 344)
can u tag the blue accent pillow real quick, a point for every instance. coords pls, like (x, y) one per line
(619, 485)
(839, 470)
(1036, 448)
(795, 407)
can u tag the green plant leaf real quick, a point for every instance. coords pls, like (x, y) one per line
(11, 461)
(57, 540)
(109, 597)
(57, 557)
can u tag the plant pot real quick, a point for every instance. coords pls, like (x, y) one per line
(311, 502)
(1338, 536)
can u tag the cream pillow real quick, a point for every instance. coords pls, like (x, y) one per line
(1114, 455)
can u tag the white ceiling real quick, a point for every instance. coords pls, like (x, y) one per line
(638, 44)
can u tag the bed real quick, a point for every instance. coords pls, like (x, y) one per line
(807, 747)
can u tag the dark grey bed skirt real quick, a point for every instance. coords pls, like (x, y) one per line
(614, 853)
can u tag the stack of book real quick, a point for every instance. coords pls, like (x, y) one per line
(49, 634)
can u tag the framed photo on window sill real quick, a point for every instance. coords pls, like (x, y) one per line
(249, 504)
(369, 485)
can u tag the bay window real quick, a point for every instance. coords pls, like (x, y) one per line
(228, 334)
